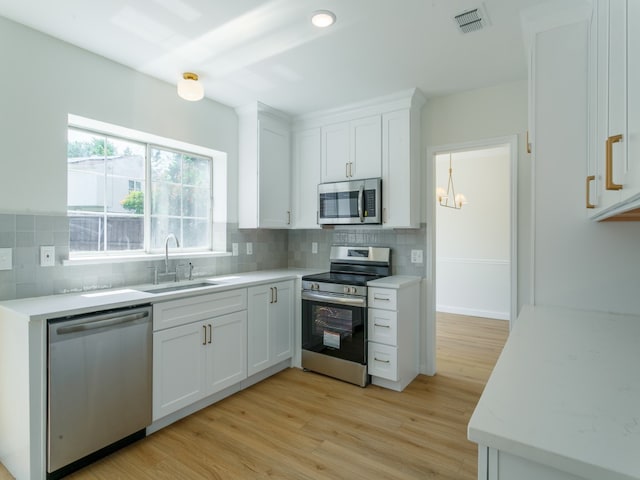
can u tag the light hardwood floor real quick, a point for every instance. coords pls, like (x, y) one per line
(299, 425)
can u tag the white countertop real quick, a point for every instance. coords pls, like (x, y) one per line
(566, 393)
(394, 281)
(52, 306)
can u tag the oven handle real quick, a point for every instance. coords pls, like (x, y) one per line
(336, 299)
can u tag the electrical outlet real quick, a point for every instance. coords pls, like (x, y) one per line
(314, 247)
(47, 256)
(416, 256)
(6, 256)
(234, 249)
(249, 248)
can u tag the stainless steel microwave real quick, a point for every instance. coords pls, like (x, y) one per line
(352, 202)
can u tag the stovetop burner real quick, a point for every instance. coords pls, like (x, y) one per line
(351, 267)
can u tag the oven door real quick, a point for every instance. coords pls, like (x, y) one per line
(335, 325)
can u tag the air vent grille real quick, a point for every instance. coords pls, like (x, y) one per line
(471, 20)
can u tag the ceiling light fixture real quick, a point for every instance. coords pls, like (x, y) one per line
(323, 18)
(457, 200)
(190, 88)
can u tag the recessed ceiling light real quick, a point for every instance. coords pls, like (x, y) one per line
(323, 18)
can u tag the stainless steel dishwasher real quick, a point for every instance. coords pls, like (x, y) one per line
(99, 385)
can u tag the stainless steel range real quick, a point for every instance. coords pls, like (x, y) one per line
(334, 312)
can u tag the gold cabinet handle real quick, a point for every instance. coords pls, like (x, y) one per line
(590, 179)
(609, 163)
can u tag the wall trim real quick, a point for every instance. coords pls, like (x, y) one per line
(472, 312)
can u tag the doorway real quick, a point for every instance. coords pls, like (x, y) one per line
(471, 241)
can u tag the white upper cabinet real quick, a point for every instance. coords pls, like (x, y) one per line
(352, 150)
(306, 177)
(613, 181)
(378, 139)
(264, 168)
(401, 173)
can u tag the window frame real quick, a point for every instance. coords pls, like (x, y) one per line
(148, 144)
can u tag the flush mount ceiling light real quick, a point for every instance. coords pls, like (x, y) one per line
(323, 18)
(190, 88)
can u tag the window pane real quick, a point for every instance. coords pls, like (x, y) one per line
(165, 199)
(166, 166)
(197, 233)
(161, 227)
(195, 202)
(86, 233)
(196, 171)
(125, 233)
(125, 177)
(85, 171)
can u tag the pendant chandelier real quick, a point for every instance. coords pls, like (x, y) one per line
(449, 198)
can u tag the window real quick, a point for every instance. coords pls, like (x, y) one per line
(127, 196)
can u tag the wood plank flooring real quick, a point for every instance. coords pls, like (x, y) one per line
(298, 425)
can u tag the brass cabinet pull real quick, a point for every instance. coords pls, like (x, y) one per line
(590, 179)
(610, 185)
(346, 169)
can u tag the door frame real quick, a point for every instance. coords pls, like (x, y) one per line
(429, 337)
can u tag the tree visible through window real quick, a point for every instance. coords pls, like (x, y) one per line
(119, 189)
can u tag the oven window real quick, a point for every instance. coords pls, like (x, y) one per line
(338, 331)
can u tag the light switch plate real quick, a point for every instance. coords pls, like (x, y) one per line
(314, 247)
(249, 248)
(234, 249)
(47, 256)
(6, 259)
(416, 256)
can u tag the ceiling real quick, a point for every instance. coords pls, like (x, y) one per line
(247, 50)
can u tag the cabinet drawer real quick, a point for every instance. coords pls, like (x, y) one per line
(192, 309)
(384, 298)
(383, 361)
(383, 327)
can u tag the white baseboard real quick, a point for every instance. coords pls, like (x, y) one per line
(472, 312)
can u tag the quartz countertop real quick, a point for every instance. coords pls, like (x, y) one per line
(565, 392)
(52, 306)
(394, 281)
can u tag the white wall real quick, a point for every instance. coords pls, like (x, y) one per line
(578, 263)
(45, 79)
(473, 243)
(476, 115)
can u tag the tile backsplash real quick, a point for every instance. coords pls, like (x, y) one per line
(271, 249)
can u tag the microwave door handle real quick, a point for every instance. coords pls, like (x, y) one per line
(360, 203)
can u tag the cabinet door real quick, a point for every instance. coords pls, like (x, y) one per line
(258, 331)
(226, 351)
(632, 179)
(335, 152)
(274, 172)
(281, 322)
(366, 147)
(306, 168)
(178, 367)
(400, 173)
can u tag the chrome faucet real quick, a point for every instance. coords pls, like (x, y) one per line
(166, 251)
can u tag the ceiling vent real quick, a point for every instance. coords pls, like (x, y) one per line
(472, 20)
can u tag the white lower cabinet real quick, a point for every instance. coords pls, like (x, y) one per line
(498, 465)
(392, 319)
(270, 325)
(202, 356)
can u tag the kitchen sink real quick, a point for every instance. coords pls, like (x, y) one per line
(175, 288)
